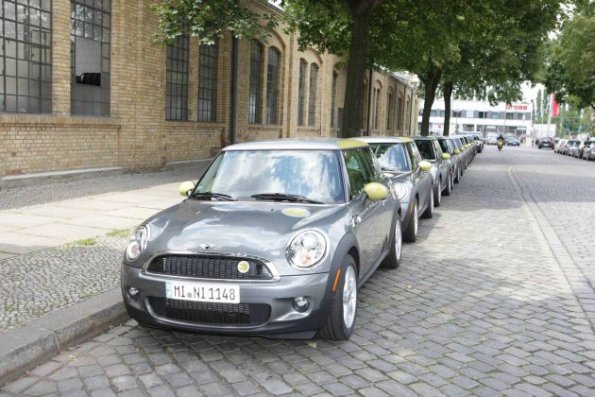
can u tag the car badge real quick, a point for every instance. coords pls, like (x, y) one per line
(206, 246)
(243, 267)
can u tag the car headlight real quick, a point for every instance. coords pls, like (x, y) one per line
(138, 242)
(401, 190)
(306, 249)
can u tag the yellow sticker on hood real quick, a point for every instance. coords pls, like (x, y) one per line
(296, 212)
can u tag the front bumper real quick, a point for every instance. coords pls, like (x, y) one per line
(283, 320)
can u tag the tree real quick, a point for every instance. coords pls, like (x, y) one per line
(538, 106)
(571, 68)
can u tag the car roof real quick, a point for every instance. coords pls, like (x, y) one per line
(384, 139)
(299, 144)
(424, 138)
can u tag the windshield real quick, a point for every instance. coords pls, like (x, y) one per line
(391, 156)
(444, 145)
(312, 174)
(425, 149)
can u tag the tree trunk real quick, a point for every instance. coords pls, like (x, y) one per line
(356, 71)
(447, 91)
(430, 81)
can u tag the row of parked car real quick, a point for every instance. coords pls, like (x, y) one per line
(579, 148)
(277, 237)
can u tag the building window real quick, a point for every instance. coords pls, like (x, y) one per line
(176, 79)
(255, 93)
(90, 57)
(26, 56)
(208, 82)
(273, 86)
(302, 93)
(334, 98)
(399, 114)
(376, 108)
(312, 96)
(389, 111)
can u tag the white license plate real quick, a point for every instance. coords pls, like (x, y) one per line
(202, 292)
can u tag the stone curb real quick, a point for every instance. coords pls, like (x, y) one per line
(25, 347)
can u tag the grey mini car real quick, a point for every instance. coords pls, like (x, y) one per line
(431, 151)
(412, 179)
(275, 240)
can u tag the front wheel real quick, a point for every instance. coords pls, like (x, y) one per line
(393, 259)
(429, 212)
(438, 194)
(341, 320)
(448, 187)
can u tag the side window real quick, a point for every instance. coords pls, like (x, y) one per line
(358, 171)
(371, 163)
(425, 149)
(437, 149)
(414, 155)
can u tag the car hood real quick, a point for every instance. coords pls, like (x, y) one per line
(261, 229)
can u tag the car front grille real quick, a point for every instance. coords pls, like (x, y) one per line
(250, 314)
(210, 267)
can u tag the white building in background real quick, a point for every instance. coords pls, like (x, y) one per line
(480, 116)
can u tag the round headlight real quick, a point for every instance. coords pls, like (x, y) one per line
(306, 249)
(401, 190)
(138, 243)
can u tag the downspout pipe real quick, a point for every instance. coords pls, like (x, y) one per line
(234, 91)
(368, 115)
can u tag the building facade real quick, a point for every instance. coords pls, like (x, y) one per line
(480, 116)
(84, 85)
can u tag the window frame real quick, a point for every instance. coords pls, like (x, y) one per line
(176, 91)
(208, 82)
(273, 87)
(255, 82)
(313, 94)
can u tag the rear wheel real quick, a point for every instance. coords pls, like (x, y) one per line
(341, 320)
(410, 234)
(393, 259)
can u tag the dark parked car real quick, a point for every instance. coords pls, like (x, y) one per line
(443, 176)
(275, 239)
(399, 158)
(546, 142)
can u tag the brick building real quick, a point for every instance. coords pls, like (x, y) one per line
(84, 85)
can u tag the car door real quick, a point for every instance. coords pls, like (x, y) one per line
(369, 218)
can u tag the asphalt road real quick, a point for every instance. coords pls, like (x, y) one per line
(495, 298)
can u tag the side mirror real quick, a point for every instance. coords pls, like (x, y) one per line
(457, 151)
(425, 166)
(376, 191)
(186, 188)
(445, 156)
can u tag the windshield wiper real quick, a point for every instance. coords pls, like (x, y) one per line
(284, 197)
(211, 195)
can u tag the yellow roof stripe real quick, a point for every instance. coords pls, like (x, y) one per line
(351, 143)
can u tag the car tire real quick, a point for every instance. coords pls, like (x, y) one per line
(410, 234)
(393, 259)
(429, 212)
(458, 176)
(438, 194)
(337, 325)
(448, 188)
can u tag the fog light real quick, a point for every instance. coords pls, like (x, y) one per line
(301, 304)
(133, 292)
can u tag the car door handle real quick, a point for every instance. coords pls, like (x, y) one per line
(356, 220)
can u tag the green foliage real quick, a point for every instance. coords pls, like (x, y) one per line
(570, 72)
(119, 233)
(210, 20)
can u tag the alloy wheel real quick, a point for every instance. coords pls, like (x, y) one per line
(349, 297)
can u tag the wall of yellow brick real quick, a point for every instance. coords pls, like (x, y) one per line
(136, 135)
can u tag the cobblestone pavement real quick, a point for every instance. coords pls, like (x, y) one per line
(50, 279)
(482, 305)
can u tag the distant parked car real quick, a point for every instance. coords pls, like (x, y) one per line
(431, 151)
(585, 143)
(492, 140)
(572, 147)
(512, 141)
(558, 148)
(589, 151)
(478, 142)
(546, 142)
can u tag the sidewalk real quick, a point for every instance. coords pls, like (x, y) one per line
(60, 263)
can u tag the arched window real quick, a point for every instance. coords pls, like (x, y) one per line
(207, 82)
(376, 102)
(312, 96)
(389, 110)
(334, 98)
(399, 114)
(302, 93)
(255, 91)
(272, 116)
